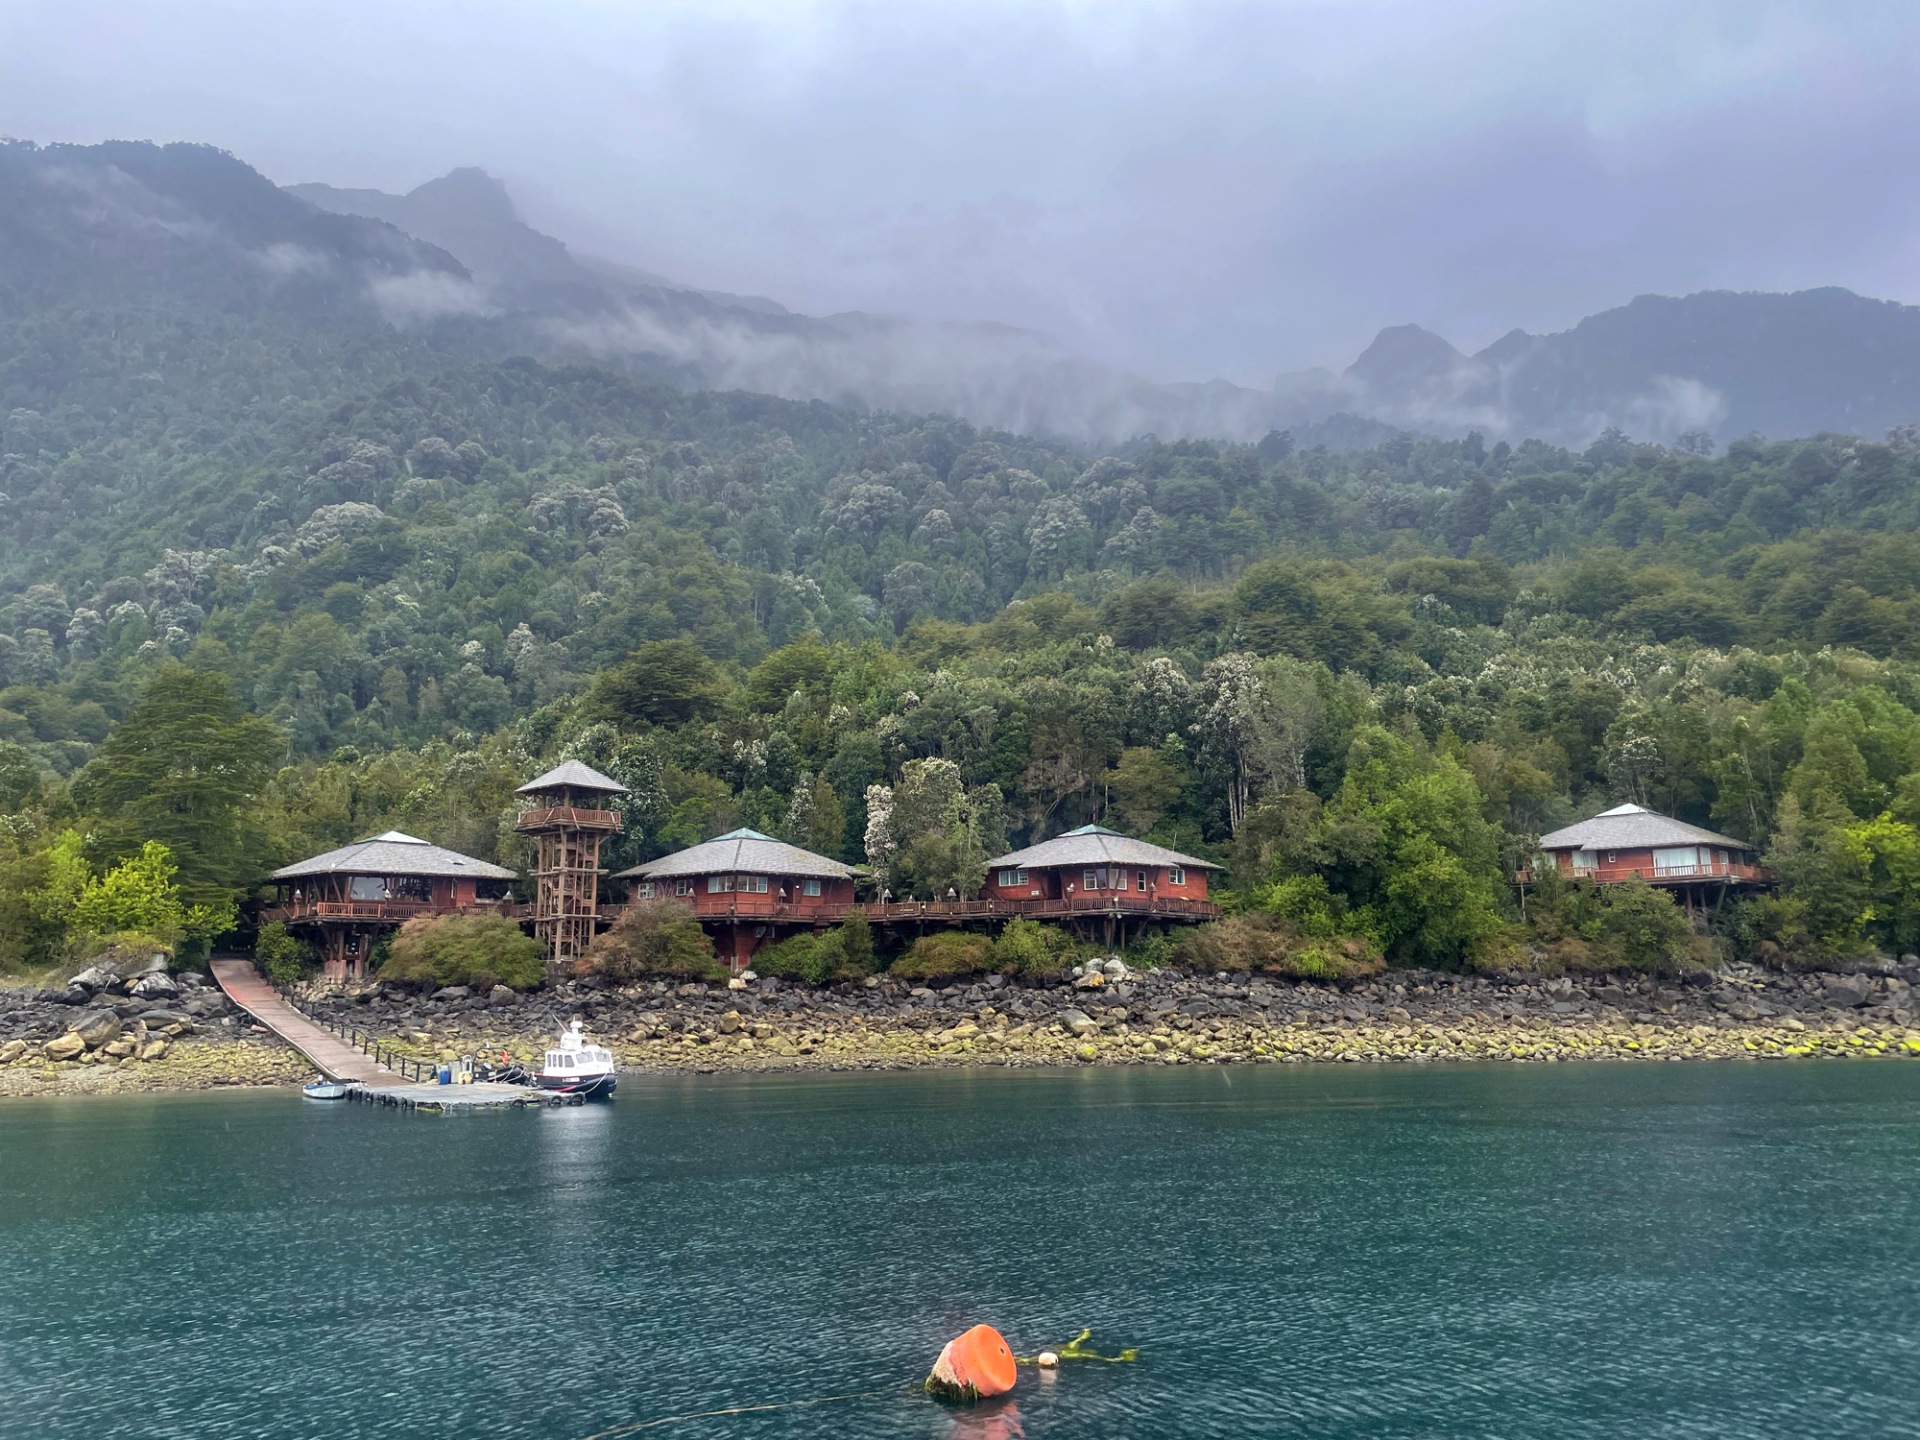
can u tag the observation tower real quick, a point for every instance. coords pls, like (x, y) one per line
(564, 814)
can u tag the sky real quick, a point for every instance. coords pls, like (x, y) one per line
(1185, 190)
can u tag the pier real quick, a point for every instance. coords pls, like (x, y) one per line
(403, 1085)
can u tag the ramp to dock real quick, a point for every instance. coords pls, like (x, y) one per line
(331, 1056)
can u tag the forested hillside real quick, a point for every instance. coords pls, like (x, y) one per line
(373, 575)
(1375, 674)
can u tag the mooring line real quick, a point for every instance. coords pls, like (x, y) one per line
(735, 1410)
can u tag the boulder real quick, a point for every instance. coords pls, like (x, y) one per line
(119, 1049)
(501, 995)
(1846, 994)
(154, 1050)
(12, 1051)
(160, 1019)
(68, 1047)
(452, 992)
(93, 979)
(729, 1022)
(96, 1027)
(155, 985)
(1078, 1022)
(190, 979)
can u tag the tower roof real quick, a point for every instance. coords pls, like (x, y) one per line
(572, 775)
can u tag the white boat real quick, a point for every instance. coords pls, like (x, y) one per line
(576, 1066)
(322, 1088)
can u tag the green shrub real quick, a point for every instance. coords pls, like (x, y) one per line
(654, 937)
(1152, 951)
(1275, 945)
(1026, 947)
(843, 953)
(476, 950)
(284, 959)
(1629, 925)
(940, 956)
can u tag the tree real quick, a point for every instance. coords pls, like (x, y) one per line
(664, 682)
(181, 769)
(479, 951)
(1143, 785)
(138, 897)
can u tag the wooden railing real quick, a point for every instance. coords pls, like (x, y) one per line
(553, 816)
(363, 1041)
(750, 906)
(1654, 874)
(383, 910)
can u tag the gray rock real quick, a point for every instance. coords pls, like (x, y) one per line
(452, 992)
(501, 995)
(94, 978)
(1846, 994)
(96, 1027)
(12, 1051)
(154, 985)
(1079, 1023)
(68, 1047)
(1400, 1017)
(190, 979)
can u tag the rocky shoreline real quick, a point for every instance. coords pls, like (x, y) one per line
(59, 1044)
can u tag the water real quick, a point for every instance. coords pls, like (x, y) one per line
(1703, 1250)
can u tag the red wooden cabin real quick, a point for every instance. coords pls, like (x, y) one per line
(345, 898)
(747, 889)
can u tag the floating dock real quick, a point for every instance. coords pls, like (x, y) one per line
(446, 1099)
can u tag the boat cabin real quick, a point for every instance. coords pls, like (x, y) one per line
(344, 899)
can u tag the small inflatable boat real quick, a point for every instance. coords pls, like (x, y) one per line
(322, 1088)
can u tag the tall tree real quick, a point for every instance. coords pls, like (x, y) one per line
(181, 769)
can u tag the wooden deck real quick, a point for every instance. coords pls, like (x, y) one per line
(747, 907)
(331, 1055)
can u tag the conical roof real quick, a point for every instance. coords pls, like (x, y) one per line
(393, 854)
(1097, 845)
(1634, 827)
(741, 851)
(572, 775)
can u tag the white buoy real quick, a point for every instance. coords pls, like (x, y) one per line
(1046, 1360)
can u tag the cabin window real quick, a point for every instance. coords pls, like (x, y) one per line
(683, 887)
(1678, 857)
(409, 887)
(1586, 860)
(1093, 880)
(753, 884)
(1140, 881)
(643, 890)
(719, 884)
(367, 887)
(1176, 876)
(810, 887)
(1013, 877)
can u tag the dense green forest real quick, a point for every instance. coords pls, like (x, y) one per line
(1363, 680)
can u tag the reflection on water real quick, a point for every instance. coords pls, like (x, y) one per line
(1353, 1252)
(997, 1419)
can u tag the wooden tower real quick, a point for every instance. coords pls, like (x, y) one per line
(564, 814)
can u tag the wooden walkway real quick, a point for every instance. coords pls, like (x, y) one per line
(331, 1055)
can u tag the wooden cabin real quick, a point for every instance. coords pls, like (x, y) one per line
(747, 889)
(344, 899)
(1630, 841)
(1094, 873)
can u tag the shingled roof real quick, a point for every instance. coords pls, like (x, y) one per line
(1633, 827)
(393, 854)
(572, 775)
(741, 852)
(1096, 845)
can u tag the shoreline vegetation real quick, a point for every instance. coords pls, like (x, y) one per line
(1164, 1017)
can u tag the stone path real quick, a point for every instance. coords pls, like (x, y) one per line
(331, 1055)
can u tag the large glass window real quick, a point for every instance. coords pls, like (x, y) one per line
(1176, 875)
(719, 884)
(1013, 877)
(810, 887)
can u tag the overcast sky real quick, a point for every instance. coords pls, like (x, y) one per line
(1186, 189)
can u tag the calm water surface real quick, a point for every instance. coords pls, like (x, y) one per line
(1570, 1251)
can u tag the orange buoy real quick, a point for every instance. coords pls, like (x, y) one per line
(973, 1366)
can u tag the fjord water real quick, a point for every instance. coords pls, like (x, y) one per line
(1705, 1250)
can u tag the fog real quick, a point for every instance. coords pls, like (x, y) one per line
(1182, 191)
